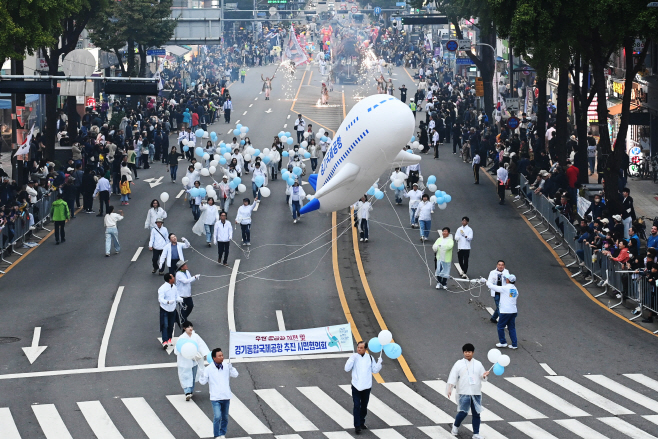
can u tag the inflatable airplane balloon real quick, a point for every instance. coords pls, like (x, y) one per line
(368, 142)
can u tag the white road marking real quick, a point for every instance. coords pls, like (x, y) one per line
(580, 429)
(532, 430)
(459, 268)
(624, 391)
(337, 435)
(504, 398)
(229, 131)
(256, 207)
(547, 397)
(182, 191)
(590, 396)
(286, 410)
(33, 351)
(99, 420)
(230, 303)
(288, 436)
(147, 419)
(387, 433)
(257, 96)
(439, 386)
(288, 117)
(268, 111)
(7, 425)
(193, 415)
(644, 380)
(251, 105)
(548, 369)
(327, 404)
(626, 428)
(245, 418)
(421, 404)
(156, 182)
(108, 328)
(650, 418)
(51, 422)
(436, 432)
(381, 410)
(245, 112)
(486, 431)
(237, 121)
(137, 253)
(279, 320)
(490, 310)
(169, 349)
(285, 125)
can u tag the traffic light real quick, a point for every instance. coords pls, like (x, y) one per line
(479, 86)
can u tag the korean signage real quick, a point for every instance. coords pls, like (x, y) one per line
(618, 87)
(324, 340)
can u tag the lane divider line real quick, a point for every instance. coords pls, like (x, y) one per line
(180, 193)
(279, 320)
(230, 303)
(108, 328)
(137, 253)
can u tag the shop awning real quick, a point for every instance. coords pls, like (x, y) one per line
(176, 50)
(616, 109)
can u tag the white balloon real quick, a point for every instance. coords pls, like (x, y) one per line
(504, 360)
(266, 151)
(249, 150)
(164, 197)
(398, 183)
(209, 188)
(385, 337)
(304, 144)
(214, 163)
(243, 135)
(206, 156)
(212, 169)
(227, 156)
(318, 135)
(205, 172)
(243, 129)
(443, 206)
(433, 198)
(205, 134)
(494, 355)
(432, 187)
(188, 350)
(247, 157)
(416, 144)
(265, 192)
(242, 188)
(306, 134)
(198, 166)
(185, 142)
(211, 194)
(283, 139)
(185, 181)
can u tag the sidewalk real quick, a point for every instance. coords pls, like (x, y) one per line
(644, 193)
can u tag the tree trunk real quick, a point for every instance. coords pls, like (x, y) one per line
(142, 61)
(72, 114)
(631, 71)
(50, 134)
(487, 70)
(581, 104)
(130, 55)
(541, 110)
(561, 127)
(122, 66)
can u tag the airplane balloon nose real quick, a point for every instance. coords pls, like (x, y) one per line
(312, 205)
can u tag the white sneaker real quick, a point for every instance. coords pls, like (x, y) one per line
(454, 430)
(513, 347)
(294, 221)
(501, 345)
(361, 239)
(365, 240)
(478, 436)
(439, 286)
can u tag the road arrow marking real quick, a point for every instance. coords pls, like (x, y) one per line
(156, 182)
(148, 180)
(170, 349)
(269, 110)
(33, 352)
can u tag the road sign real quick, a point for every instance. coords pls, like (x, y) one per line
(463, 61)
(90, 101)
(452, 45)
(479, 86)
(513, 123)
(464, 44)
(272, 10)
(354, 9)
(378, 10)
(156, 52)
(512, 104)
(526, 71)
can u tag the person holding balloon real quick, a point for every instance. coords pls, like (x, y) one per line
(507, 318)
(243, 218)
(414, 196)
(295, 197)
(196, 194)
(443, 249)
(362, 366)
(362, 209)
(424, 211)
(190, 352)
(258, 176)
(466, 377)
(210, 217)
(168, 297)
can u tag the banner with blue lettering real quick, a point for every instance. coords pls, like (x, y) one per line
(337, 338)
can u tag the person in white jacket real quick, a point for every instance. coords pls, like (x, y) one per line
(362, 365)
(414, 196)
(424, 212)
(153, 214)
(157, 242)
(362, 209)
(497, 277)
(172, 253)
(209, 216)
(315, 152)
(295, 195)
(222, 237)
(244, 219)
(257, 170)
(466, 377)
(464, 236)
(218, 374)
(275, 159)
(224, 193)
(401, 176)
(188, 367)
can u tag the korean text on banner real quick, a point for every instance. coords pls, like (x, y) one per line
(324, 340)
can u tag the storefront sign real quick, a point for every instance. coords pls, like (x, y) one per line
(618, 87)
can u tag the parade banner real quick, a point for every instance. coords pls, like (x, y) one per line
(324, 340)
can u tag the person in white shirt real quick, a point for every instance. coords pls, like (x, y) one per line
(496, 278)
(184, 287)
(228, 106)
(257, 169)
(209, 215)
(362, 365)
(222, 237)
(224, 192)
(502, 176)
(157, 242)
(362, 209)
(508, 296)
(111, 231)
(476, 168)
(424, 212)
(295, 195)
(153, 214)
(172, 253)
(466, 378)
(188, 367)
(168, 297)
(414, 196)
(401, 176)
(218, 374)
(464, 236)
(300, 126)
(244, 219)
(413, 171)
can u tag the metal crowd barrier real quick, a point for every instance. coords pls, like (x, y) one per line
(609, 274)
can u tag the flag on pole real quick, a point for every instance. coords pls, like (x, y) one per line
(25, 147)
(294, 51)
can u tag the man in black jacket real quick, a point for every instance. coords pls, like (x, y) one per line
(628, 214)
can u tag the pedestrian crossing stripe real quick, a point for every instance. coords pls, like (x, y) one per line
(516, 397)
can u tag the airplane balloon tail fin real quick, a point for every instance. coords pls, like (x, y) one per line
(313, 181)
(312, 205)
(405, 159)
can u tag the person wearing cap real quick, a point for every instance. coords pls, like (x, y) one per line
(414, 196)
(243, 218)
(628, 214)
(508, 296)
(617, 227)
(172, 253)
(466, 377)
(168, 297)
(443, 249)
(157, 242)
(184, 286)
(222, 237)
(496, 277)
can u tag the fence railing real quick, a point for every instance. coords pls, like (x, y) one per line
(609, 274)
(25, 227)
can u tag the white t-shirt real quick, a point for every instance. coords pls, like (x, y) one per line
(111, 219)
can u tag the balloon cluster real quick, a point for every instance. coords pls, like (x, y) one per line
(188, 348)
(440, 197)
(285, 137)
(383, 341)
(198, 192)
(414, 144)
(241, 131)
(289, 177)
(499, 360)
(374, 191)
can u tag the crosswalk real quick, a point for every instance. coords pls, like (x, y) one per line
(552, 407)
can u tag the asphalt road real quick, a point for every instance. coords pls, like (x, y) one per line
(68, 291)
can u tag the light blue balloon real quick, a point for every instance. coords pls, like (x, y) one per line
(198, 151)
(371, 192)
(232, 184)
(242, 142)
(236, 132)
(442, 193)
(209, 358)
(238, 126)
(447, 198)
(410, 151)
(393, 187)
(181, 341)
(259, 180)
(237, 180)
(193, 192)
(222, 144)
(498, 369)
(199, 133)
(256, 152)
(289, 141)
(413, 138)
(431, 179)
(379, 194)
(282, 133)
(213, 134)
(392, 350)
(285, 153)
(291, 181)
(285, 174)
(202, 192)
(222, 161)
(287, 133)
(246, 129)
(266, 159)
(374, 345)
(297, 170)
(222, 150)
(401, 187)
(324, 138)
(186, 148)
(440, 200)
(307, 155)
